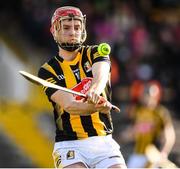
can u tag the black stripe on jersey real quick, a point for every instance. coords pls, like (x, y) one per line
(101, 59)
(67, 127)
(56, 67)
(107, 121)
(76, 71)
(59, 134)
(87, 124)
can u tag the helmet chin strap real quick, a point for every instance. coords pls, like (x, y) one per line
(69, 46)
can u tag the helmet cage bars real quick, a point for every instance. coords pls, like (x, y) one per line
(68, 13)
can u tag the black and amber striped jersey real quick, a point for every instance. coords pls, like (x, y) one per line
(76, 74)
(149, 124)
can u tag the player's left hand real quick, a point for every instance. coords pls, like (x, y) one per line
(93, 97)
(104, 106)
(100, 102)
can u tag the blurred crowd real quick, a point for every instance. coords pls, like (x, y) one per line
(144, 36)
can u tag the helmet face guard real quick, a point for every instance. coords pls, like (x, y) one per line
(71, 14)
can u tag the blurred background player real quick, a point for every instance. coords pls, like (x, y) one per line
(151, 123)
(82, 126)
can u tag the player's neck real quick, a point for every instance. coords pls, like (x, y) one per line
(66, 55)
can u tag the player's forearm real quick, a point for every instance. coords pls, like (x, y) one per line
(67, 102)
(100, 76)
(98, 84)
(80, 108)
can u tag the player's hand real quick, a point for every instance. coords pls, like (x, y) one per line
(100, 102)
(93, 97)
(104, 106)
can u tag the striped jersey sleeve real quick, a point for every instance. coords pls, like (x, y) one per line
(96, 57)
(48, 76)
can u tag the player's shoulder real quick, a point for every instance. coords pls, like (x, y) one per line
(92, 48)
(46, 66)
(49, 62)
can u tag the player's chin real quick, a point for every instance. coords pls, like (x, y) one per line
(73, 42)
